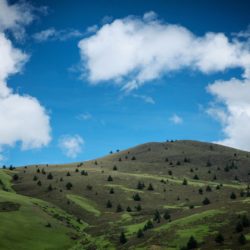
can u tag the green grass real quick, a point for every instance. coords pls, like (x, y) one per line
(5, 180)
(190, 219)
(84, 203)
(124, 188)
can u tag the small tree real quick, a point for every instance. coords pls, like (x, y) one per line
(110, 178)
(192, 243)
(140, 185)
(196, 177)
(166, 215)
(35, 178)
(200, 191)
(184, 182)
(15, 177)
(242, 239)
(245, 221)
(49, 176)
(115, 168)
(38, 170)
(157, 216)
(239, 227)
(129, 209)
(150, 187)
(206, 201)
(148, 225)
(136, 197)
(69, 186)
(39, 183)
(111, 191)
(119, 208)
(138, 207)
(68, 174)
(77, 170)
(133, 158)
(233, 196)
(219, 238)
(208, 189)
(83, 172)
(50, 187)
(140, 233)
(123, 238)
(170, 172)
(109, 204)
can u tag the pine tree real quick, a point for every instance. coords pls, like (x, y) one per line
(219, 238)
(206, 201)
(110, 178)
(233, 196)
(69, 185)
(123, 238)
(109, 204)
(129, 209)
(192, 243)
(68, 174)
(136, 197)
(50, 187)
(157, 216)
(119, 208)
(150, 187)
(111, 191)
(242, 239)
(49, 176)
(148, 225)
(166, 215)
(184, 182)
(140, 233)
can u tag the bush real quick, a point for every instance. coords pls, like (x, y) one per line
(119, 208)
(166, 215)
(111, 191)
(140, 233)
(83, 172)
(133, 158)
(233, 196)
(69, 186)
(150, 187)
(39, 183)
(196, 177)
(157, 216)
(15, 177)
(68, 174)
(110, 178)
(35, 178)
(192, 243)
(50, 187)
(140, 185)
(242, 239)
(136, 197)
(129, 209)
(184, 182)
(115, 168)
(123, 238)
(109, 204)
(148, 225)
(219, 238)
(138, 207)
(206, 201)
(49, 176)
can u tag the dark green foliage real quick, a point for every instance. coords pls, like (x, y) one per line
(111, 191)
(15, 177)
(119, 208)
(109, 204)
(233, 196)
(115, 168)
(184, 182)
(140, 185)
(39, 183)
(133, 158)
(43, 171)
(242, 239)
(192, 243)
(77, 170)
(140, 233)
(170, 172)
(196, 177)
(206, 201)
(208, 189)
(35, 178)
(89, 187)
(68, 174)
(61, 179)
(38, 170)
(83, 172)
(148, 225)
(187, 160)
(209, 164)
(110, 178)
(219, 238)
(200, 191)
(129, 209)
(150, 187)
(123, 238)
(50, 187)
(136, 197)
(49, 176)
(239, 227)
(157, 216)
(166, 215)
(138, 207)
(245, 221)
(69, 186)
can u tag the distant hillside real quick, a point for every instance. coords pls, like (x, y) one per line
(170, 195)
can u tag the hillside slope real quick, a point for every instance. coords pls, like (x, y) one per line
(185, 188)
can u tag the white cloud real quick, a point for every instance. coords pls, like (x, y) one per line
(175, 119)
(233, 111)
(145, 98)
(22, 117)
(133, 51)
(85, 116)
(51, 34)
(71, 145)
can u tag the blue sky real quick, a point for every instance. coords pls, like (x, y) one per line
(88, 117)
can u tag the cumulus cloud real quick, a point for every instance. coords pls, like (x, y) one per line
(51, 34)
(71, 145)
(232, 108)
(175, 119)
(133, 51)
(22, 117)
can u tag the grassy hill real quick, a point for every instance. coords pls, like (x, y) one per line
(157, 194)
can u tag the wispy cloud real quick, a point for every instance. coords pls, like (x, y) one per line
(175, 119)
(145, 98)
(71, 145)
(84, 116)
(51, 34)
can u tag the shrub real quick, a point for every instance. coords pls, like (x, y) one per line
(69, 186)
(123, 238)
(68, 174)
(242, 239)
(111, 191)
(233, 196)
(138, 207)
(150, 187)
(140, 185)
(157, 216)
(115, 168)
(50, 187)
(119, 208)
(35, 178)
(184, 182)
(109, 204)
(15, 177)
(129, 209)
(49, 176)
(136, 197)
(148, 225)
(39, 183)
(140, 233)
(192, 243)
(110, 178)
(219, 238)
(166, 215)
(206, 201)
(133, 158)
